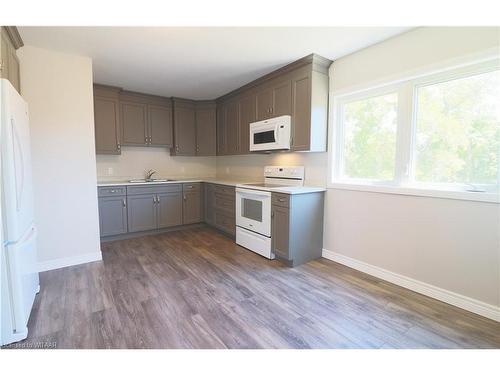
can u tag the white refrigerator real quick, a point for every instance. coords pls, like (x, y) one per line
(19, 280)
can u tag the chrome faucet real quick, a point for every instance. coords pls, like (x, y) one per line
(150, 174)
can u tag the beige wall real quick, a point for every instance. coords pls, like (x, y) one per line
(134, 161)
(58, 89)
(450, 244)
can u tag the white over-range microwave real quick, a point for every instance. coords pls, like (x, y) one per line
(271, 134)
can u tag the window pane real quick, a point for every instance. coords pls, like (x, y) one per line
(458, 130)
(370, 137)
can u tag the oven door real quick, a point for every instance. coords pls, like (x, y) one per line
(253, 210)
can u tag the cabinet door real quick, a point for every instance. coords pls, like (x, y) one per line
(160, 126)
(169, 209)
(141, 212)
(264, 103)
(282, 99)
(191, 209)
(232, 125)
(185, 130)
(206, 132)
(106, 122)
(280, 231)
(210, 204)
(247, 115)
(112, 215)
(133, 118)
(4, 56)
(301, 117)
(221, 132)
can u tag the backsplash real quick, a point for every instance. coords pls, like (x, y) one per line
(134, 161)
(249, 166)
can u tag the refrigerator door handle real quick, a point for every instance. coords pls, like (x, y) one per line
(19, 184)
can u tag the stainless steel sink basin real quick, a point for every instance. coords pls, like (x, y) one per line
(152, 180)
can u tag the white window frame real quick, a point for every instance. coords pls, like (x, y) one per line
(404, 172)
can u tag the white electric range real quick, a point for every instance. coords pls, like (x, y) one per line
(253, 207)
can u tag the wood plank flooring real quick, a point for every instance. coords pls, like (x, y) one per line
(198, 289)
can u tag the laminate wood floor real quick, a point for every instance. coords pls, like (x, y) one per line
(197, 289)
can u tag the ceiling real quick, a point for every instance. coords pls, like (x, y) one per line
(198, 62)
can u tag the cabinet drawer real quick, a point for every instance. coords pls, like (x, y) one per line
(279, 199)
(111, 191)
(225, 202)
(153, 189)
(195, 186)
(223, 189)
(225, 222)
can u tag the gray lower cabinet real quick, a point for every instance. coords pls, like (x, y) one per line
(154, 207)
(142, 212)
(210, 204)
(297, 227)
(281, 231)
(112, 215)
(220, 207)
(169, 209)
(192, 203)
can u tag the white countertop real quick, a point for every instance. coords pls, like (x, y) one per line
(235, 183)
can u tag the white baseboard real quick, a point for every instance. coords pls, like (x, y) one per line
(455, 299)
(70, 261)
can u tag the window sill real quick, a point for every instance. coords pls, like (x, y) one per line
(419, 192)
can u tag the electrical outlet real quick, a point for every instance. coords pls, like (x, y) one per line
(183, 169)
(110, 171)
(227, 170)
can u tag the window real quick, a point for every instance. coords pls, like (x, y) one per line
(370, 127)
(437, 133)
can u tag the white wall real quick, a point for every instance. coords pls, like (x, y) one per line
(58, 89)
(134, 161)
(449, 244)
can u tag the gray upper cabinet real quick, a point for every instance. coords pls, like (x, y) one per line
(232, 127)
(184, 127)
(299, 89)
(282, 98)
(169, 209)
(248, 114)
(221, 132)
(206, 133)
(264, 102)
(160, 131)
(142, 214)
(10, 40)
(106, 120)
(133, 119)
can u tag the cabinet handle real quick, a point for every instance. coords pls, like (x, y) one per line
(154, 200)
(158, 200)
(184, 198)
(124, 202)
(281, 199)
(118, 146)
(271, 110)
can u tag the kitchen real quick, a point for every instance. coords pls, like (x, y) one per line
(174, 208)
